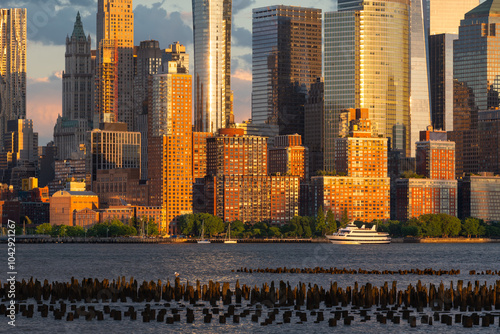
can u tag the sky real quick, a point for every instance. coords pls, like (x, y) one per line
(50, 21)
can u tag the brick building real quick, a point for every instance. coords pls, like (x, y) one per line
(288, 157)
(64, 203)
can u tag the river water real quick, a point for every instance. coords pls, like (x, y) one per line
(219, 262)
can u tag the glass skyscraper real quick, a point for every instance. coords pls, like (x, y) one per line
(212, 64)
(12, 66)
(420, 113)
(367, 65)
(286, 60)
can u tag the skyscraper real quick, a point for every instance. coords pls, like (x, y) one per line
(12, 66)
(115, 61)
(286, 60)
(78, 95)
(420, 113)
(367, 65)
(170, 144)
(442, 25)
(212, 64)
(476, 79)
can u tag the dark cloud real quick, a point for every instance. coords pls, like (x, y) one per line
(155, 23)
(243, 62)
(241, 37)
(241, 4)
(50, 21)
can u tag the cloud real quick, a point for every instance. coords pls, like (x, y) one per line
(155, 23)
(241, 37)
(50, 21)
(44, 96)
(241, 4)
(242, 75)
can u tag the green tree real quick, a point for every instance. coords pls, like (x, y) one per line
(331, 223)
(186, 224)
(345, 218)
(59, 230)
(320, 222)
(152, 227)
(44, 229)
(274, 232)
(75, 231)
(213, 224)
(451, 225)
(470, 227)
(411, 230)
(237, 228)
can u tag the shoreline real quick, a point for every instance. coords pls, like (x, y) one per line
(121, 240)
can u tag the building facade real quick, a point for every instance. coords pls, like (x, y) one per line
(64, 203)
(199, 154)
(286, 60)
(314, 126)
(12, 65)
(115, 62)
(78, 87)
(123, 186)
(170, 145)
(361, 187)
(288, 157)
(479, 197)
(212, 64)
(367, 65)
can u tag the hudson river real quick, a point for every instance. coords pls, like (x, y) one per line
(220, 262)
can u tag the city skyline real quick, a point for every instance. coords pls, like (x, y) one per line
(48, 27)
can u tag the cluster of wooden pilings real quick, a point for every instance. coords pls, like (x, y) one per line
(468, 304)
(338, 271)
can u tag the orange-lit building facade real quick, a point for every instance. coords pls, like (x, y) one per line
(64, 203)
(170, 146)
(85, 218)
(435, 156)
(437, 191)
(416, 197)
(233, 153)
(115, 61)
(288, 157)
(361, 187)
(199, 154)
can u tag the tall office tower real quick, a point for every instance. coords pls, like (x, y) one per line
(314, 126)
(442, 26)
(367, 65)
(361, 186)
(177, 52)
(420, 113)
(115, 62)
(170, 145)
(78, 96)
(148, 62)
(441, 80)
(12, 66)
(476, 71)
(212, 64)
(286, 60)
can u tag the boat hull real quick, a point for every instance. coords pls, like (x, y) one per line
(230, 241)
(356, 242)
(203, 241)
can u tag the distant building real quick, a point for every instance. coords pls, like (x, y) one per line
(436, 192)
(479, 196)
(64, 203)
(200, 154)
(286, 60)
(288, 157)
(70, 131)
(212, 22)
(314, 126)
(12, 66)
(10, 210)
(66, 170)
(120, 186)
(112, 146)
(360, 189)
(170, 145)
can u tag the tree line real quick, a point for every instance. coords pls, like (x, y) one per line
(113, 228)
(440, 225)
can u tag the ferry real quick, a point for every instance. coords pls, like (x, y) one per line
(351, 234)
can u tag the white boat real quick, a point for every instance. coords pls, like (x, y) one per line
(229, 240)
(202, 239)
(351, 234)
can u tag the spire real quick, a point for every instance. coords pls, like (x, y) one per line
(78, 29)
